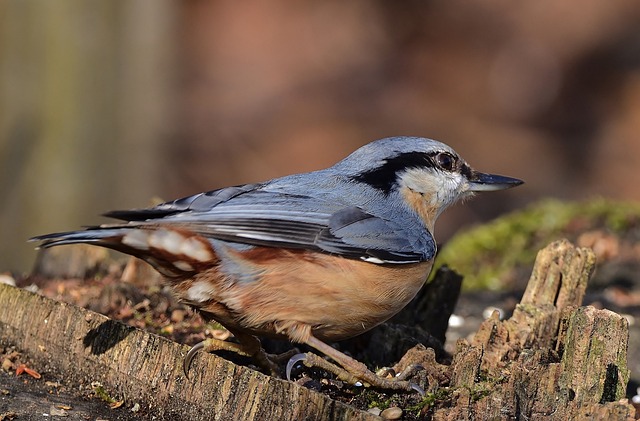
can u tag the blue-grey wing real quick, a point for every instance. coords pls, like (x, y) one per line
(253, 215)
(356, 233)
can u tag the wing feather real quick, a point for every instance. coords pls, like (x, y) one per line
(252, 215)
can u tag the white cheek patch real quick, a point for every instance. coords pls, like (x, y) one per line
(442, 188)
(200, 292)
(421, 181)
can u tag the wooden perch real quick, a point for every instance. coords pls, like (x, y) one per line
(81, 347)
(553, 359)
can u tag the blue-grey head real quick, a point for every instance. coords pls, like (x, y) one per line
(428, 174)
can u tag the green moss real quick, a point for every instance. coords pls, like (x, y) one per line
(489, 255)
(102, 394)
(479, 392)
(373, 402)
(440, 397)
(430, 399)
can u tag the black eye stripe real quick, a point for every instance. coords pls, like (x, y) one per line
(384, 177)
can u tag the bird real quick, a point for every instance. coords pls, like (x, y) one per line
(314, 258)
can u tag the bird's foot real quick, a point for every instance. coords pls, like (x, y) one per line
(356, 373)
(249, 346)
(285, 356)
(409, 371)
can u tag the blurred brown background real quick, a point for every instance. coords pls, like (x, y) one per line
(107, 104)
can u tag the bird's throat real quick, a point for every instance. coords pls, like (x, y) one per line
(421, 203)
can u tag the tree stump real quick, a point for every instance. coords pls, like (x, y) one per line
(552, 359)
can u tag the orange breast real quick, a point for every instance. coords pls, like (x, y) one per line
(292, 290)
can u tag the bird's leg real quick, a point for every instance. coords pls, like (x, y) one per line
(249, 346)
(352, 371)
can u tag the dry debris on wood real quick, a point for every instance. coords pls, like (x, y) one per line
(551, 359)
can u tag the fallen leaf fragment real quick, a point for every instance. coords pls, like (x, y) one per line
(22, 368)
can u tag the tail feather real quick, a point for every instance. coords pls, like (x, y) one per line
(92, 235)
(173, 252)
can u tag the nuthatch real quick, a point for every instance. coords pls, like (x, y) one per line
(313, 258)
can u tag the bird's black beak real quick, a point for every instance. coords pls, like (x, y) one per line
(490, 182)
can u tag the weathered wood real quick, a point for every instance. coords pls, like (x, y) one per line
(551, 359)
(77, 346)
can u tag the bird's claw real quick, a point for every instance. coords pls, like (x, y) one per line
(292, 362)
(189, 357)
(417, 388)
(409, 371)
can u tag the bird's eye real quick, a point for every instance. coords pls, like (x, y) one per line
(446, 161)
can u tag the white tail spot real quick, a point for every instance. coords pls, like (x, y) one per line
(167, 240)
(137, 239)
(195, 249)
